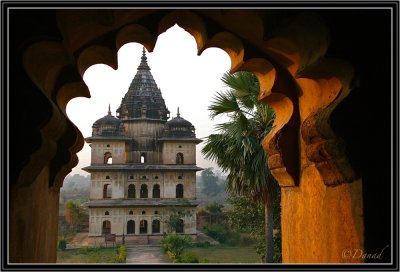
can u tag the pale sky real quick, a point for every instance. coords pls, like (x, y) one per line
(186, 81)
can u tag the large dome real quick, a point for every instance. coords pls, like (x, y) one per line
(107, 126)
(179, 127)
(143, 99)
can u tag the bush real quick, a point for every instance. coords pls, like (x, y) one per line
(62, 244)
(246, 240)
(121, 257)
(222, 234)
(174, 245)
(188, 257)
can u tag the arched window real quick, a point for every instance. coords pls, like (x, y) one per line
(155, 226)
(143, 191)
(131, 191)
(130, 227)
(107, 191)
(179, 158)
(107, 158)
(143, 158)
(143, 212)
(179, 227)
(143, 226)
(106, 227)
(106, 213)
(130, 212)
(179, 191)
(156, 191)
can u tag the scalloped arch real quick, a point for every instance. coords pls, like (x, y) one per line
(96, 54)
(276, 61)
(190, 22)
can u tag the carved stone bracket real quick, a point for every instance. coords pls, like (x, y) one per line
(46, 63)
(323, 87)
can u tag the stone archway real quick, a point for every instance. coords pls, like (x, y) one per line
(303, 87)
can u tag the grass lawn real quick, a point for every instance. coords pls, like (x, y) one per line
(226, 254)
(87, 255)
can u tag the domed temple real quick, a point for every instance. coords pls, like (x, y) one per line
(143, 167)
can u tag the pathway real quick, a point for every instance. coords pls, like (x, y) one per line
(146, 254)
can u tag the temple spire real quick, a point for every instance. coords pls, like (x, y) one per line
(143, 64)
(178, 114)
(109, 110)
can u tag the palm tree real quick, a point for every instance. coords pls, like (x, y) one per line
(237, 147)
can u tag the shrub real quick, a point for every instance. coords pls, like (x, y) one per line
(121, 257)
(222, 234)
(174, 245)
(62, 244)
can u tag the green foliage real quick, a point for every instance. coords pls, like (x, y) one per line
(247, 240)
(188, 257)
(76, 187)
(87, 255)
(205, 244)
(75, 214)
(121, 254)
(226, 254)
(237, 147)
(62, 245)
(278, 247)
(172, 221)
(214, 207)
(222, 234)
(248, 216)
(174, 245)
(210, 187)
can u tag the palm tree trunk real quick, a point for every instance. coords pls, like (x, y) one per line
(269, 234)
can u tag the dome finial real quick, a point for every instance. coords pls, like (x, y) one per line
(143, 64)
(178, 114)
(109, 110)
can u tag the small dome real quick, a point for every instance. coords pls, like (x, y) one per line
(179, 127)
(107, 126)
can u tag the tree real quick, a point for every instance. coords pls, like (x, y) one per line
(75, 215)
(237, 148)
(214, 207)
(246, 215)
(215, 211)
(209, 181)
(173, 220)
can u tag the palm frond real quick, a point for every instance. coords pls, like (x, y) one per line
(223, 103)
(237, 147)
